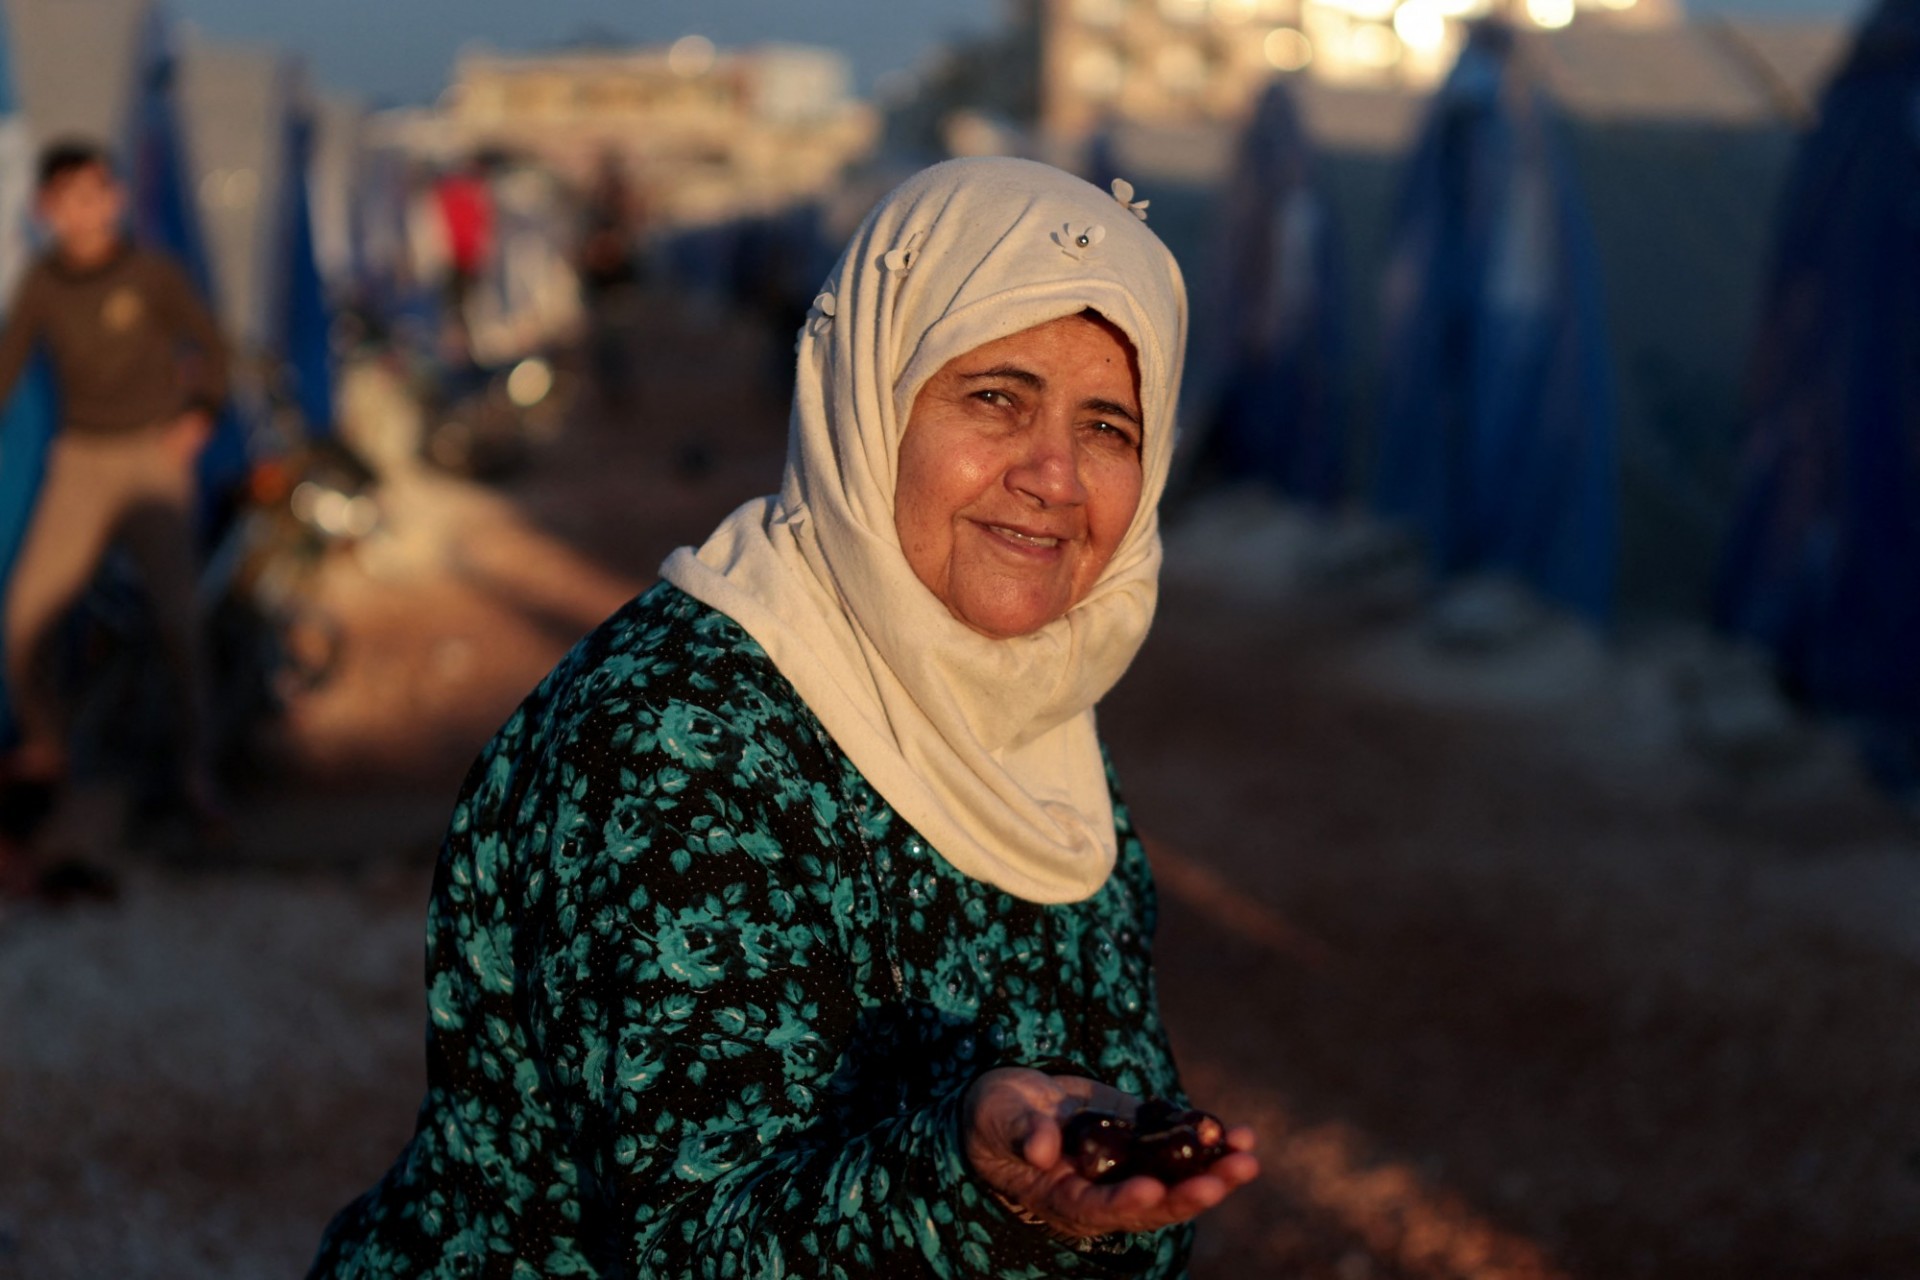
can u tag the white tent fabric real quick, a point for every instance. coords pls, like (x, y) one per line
(236, 105)
(77, 65)
(1735, 74)
(339, 163)
(16, 199)
(530, 296)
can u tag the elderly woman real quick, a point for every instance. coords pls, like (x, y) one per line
(781, 928)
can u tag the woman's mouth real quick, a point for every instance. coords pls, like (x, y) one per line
(1024, 539)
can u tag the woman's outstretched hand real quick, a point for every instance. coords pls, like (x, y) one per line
(1013, 1119)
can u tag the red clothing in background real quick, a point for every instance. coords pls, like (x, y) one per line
(467, 207)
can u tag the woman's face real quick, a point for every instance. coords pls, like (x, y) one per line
(1020, 472)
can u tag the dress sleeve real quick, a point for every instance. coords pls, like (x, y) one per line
(692, 1002)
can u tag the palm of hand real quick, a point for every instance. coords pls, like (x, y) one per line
(1013, 1142)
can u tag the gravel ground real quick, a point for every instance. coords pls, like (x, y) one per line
(1513, 983)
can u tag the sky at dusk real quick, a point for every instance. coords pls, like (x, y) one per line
(401, 50)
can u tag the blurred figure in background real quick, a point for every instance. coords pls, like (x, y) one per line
(135, 412)
(610, 277)
(465, 205)
(526, 299)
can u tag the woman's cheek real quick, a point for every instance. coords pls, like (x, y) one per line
(1116, 486)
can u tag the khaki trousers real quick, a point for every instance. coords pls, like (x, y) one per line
(137, 490)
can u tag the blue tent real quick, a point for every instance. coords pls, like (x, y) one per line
(1823, 564)
(1273, 329)
(306, 316)
(1498, 435)
(26, 419)
(166, 217)
(164, 214)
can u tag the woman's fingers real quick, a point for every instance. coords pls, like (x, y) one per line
(1236, 1169)
(1142, 1203)
(1041, 1145)
(1138, 1204)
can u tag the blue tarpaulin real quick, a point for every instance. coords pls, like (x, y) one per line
(165, 217)
(307, 323)
(26, 419)
(1275, 409)
(1823, 563)
(26, 428)
(1498, 433)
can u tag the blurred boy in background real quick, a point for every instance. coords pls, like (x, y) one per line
(140, 372)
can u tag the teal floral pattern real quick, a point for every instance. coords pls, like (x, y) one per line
(702, 1005)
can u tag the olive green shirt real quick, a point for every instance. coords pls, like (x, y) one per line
(118, 335)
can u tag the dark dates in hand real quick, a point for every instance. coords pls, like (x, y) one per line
(1162, 1141)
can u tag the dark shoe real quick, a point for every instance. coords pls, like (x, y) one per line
(17, 881)
(209, 819)
(71, 882)
(24, 806)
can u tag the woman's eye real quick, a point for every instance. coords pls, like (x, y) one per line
(1116, 431)
(993, 397)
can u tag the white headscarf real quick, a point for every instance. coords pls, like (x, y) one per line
(986, 746)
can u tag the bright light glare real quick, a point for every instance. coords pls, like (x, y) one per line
(362, 515)
(1184, 10)
(1551, 14)
(1098, 71)
(1369, 10)
(691, 56)
(1468, 8)
(1421, 25)
(1100, 13)
(333, 512)
(1181, 67)
(1287, 49)
(1373, 46)
(530, 382)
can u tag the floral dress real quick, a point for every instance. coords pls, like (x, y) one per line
(702, 1005)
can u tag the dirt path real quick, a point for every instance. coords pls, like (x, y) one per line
(1510, 991)
(1506, 1009)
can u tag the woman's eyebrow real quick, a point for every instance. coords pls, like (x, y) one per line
(1013, 371)
(1117, 410)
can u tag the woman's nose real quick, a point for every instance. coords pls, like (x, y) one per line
(1048, 470)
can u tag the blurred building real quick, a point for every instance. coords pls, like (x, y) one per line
(704, 133)
(1172, 62)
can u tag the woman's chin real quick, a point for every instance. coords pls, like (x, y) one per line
(1008, 619)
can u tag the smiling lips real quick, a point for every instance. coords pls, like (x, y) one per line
(1022, 538)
